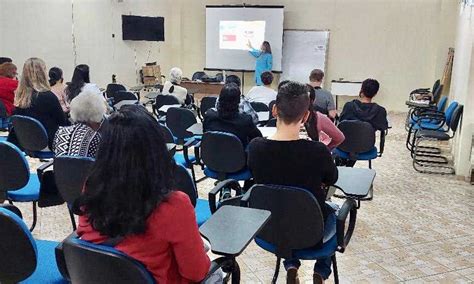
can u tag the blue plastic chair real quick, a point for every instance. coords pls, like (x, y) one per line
(224, 156)
(32, 136)
(17, 184)
(297, 227)
(24, 258)
(91, 263)
(185, 183)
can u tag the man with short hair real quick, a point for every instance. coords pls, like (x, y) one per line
(324, 102)
(286, 159)
(364, 109)
(263, 94)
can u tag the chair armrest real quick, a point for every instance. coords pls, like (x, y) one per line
(41, 169)
(382, 142)
(349, 208)
(230, 184)
(244, 201)
(222, 262)
(13, 209)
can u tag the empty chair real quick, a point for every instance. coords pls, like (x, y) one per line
(224, 156)
(32, 136)
(359, 143)
(162, 100)
(423, 160)
(16, 182)
(113, 88)
(70, 174)
(206, 103)
(91, 263)
(198, 75)
(122, 98)
(24, 258)
(297, 226)
(259, 107)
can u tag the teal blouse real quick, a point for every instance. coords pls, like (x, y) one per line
(263, 63)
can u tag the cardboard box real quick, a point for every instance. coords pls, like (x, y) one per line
(151, 71)
(149, 80)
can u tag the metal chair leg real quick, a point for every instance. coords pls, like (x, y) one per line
(277, 270)
(235, 273)
(73, 221)
(35, 217)
(334, 265)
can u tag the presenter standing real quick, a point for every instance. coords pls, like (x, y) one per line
(264, 60)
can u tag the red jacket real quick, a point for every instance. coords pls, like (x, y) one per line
(7, 92)
(171, 248)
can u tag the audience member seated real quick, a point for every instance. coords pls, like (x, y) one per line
(129, 199)
(263, 94)
(324, 101)
(80, 81)
(34, 98)
(172, 86)
(244, 106)
(320, 128)
(364, 109)
(82, 138)
(8, 85)
(227, 117)
(286, 159)
(58, 88)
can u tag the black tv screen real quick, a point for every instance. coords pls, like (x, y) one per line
(143, 28)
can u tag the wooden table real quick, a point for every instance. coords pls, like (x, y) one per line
(202, 89)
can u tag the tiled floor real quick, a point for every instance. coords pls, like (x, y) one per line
(418, 228)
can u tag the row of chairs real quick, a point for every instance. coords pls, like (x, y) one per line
(431, 122)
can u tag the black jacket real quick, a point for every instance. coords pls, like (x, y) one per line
(369, 112)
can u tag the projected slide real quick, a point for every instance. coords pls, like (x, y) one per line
(237, 34)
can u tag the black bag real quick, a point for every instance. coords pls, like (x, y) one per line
(49, 194)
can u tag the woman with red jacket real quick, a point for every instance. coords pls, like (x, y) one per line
(8, 85)
(130, 196)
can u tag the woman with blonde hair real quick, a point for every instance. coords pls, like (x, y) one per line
(34, 98)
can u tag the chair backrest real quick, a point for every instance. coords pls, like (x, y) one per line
(184, 182)
(113, 88)
(442, 103)
(168, 137)
(259, 107)
(18, 248)
(360, 136)
(124, 98)
(3, 110)
(70, 175)
(297, 220)
(435, 85)
(457, 114)
(270, 107)
(222, 152)
(14, 169)
(207, 103)
(271, 123)
(163, 100)
(30, 133)
(449, 112)
(198, 75)
(437, 93)
(91, 263)
(178, 120)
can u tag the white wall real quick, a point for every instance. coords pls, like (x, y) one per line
(402, 43)
(462, 88)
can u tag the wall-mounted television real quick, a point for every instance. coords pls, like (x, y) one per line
(143, 28)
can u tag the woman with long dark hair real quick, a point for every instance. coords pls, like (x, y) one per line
(129, 198)
(56, 81)
(80, 80)
(264, 60)
(320, 128)
(227, 117)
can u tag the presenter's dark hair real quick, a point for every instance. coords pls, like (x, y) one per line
(370, 87)
(268, 48)
(80, 77)
(132, 174)
(267, 78)
(55, 75)
(5, 60)
(233, 79)
(292, 102)
(229, 100)
(311, 124)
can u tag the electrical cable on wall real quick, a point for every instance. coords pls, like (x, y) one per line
(74, 48)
